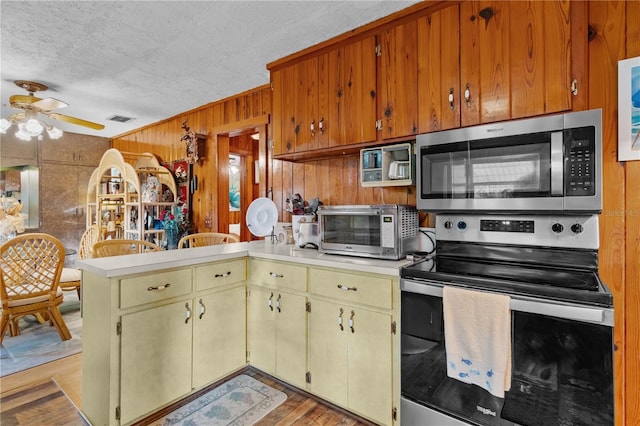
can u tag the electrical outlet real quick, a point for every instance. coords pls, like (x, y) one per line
(207, 222)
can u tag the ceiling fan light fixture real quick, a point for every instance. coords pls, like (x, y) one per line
(4, 125)
(32, 127)
(23, 136)
(54, 132)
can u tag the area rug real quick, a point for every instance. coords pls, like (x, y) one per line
(40, 343)
(241, 401)
(41, 404)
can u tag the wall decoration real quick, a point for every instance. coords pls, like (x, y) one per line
(192, 142)
(629, 109)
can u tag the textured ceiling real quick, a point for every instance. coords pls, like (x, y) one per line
(154, 59)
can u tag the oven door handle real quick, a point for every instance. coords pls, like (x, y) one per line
(603, 316)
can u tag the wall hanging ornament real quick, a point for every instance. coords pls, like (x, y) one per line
(192, 142)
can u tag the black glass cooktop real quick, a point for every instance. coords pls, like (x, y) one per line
(559, 275)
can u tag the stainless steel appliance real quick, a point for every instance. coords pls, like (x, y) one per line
(561, 316)
(385, 231)
(547, 164)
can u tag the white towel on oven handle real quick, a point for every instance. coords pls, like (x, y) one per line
(477, 329)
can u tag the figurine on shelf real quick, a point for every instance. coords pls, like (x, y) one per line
(191, 140)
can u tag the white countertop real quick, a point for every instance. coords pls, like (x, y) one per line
(116, 266)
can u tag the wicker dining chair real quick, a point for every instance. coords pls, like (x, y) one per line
(207, 239)
(71, 278)
(119, 247)
(30, 268)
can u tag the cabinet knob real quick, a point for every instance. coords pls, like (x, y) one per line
(345, 288)
(187, 314)
(203, 309)
(321, 126)
(274, 275)
(226, 274)
(340, 319)
(351, 322)
(278, 303)
(270, 302)
(451, 104)
(312, 127)
(159, 287)
(467, 94)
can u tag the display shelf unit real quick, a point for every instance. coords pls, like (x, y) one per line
(115, 200)
(391, 165)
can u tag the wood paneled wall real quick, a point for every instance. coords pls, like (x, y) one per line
(163, 139)
(614, 34)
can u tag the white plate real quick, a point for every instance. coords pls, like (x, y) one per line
(262, 215)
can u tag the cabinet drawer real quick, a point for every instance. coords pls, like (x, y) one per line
(279, 275)
(219, 274)
(154, 287)
(352, 288)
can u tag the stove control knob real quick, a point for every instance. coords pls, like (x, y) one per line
(462, 225)
(576, 228)
(448, 224)
(557, 228)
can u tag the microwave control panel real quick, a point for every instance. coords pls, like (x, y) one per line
(387, 231)
(580, 162)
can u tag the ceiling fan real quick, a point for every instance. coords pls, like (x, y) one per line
(29, 125)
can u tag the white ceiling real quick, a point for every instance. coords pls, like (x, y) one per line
(154, 59)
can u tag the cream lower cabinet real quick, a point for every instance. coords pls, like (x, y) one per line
(151, 339)
(156, 359)
(277, 320)
(351, 340)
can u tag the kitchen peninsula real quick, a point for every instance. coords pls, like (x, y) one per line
(160, 326)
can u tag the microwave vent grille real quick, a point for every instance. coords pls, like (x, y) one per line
(409, 223)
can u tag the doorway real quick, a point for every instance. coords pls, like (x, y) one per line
(241, 178)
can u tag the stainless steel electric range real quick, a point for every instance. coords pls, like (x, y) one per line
(561, 322)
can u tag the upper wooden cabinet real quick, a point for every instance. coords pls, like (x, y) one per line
(487, 61)
(452, 65)
(326, 101)
(75, 149)
(398, 81)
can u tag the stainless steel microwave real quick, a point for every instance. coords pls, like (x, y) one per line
(538, 165)
(385, 231)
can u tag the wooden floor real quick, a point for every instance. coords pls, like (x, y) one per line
(31, 398)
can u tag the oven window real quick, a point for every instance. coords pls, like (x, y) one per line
(562, 370)
(495, 168)
(351, 229)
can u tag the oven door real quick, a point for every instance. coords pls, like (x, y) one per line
(562, 365)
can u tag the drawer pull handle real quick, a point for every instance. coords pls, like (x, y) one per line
(226, 274)
(346, 288)
(270, 302)
(159, 287)
(203, 309)
(187, 313)
(351, 322)
(340, 319)
(278, 303)
(274, 275)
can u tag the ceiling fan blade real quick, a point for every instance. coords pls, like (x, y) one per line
(49, 104)
(22, 100)
(74, 120)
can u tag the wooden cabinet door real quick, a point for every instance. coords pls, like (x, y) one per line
(540, 57)
(155, 359)
(63, 189)
(398, 81)
(353, 77)
(514, 59)
(219, 335)
(439, 93)
(370, 364)
(291, 338)
(328, 354)
(261, 329)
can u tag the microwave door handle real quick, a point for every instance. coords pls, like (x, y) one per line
(557, 164)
